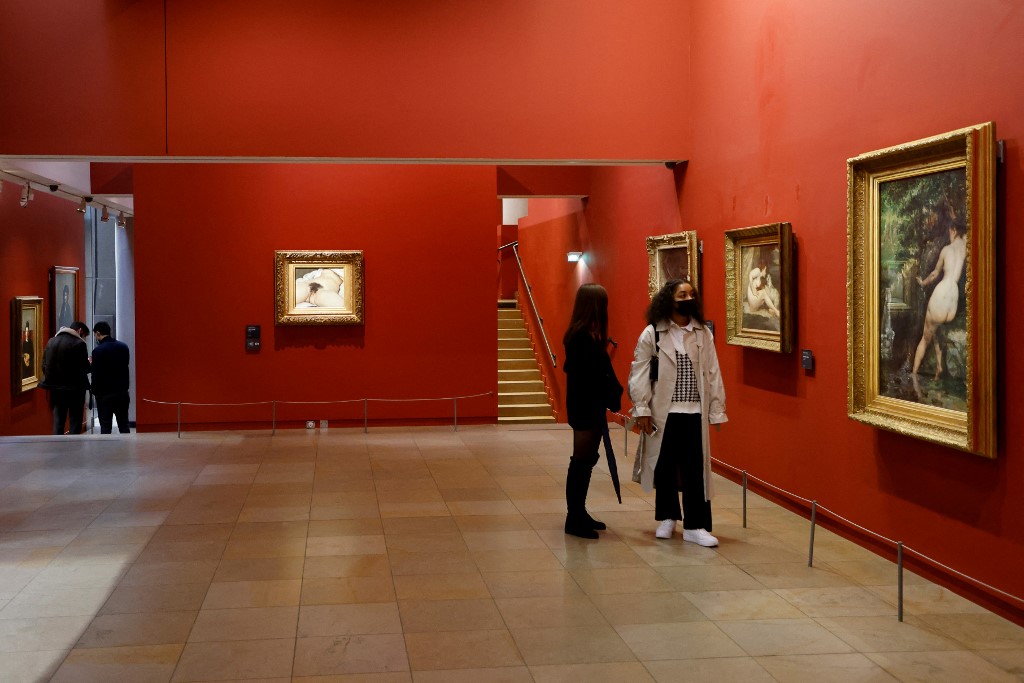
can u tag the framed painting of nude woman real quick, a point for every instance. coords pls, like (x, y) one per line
(921, 289)
(319, 287)
(759, 287)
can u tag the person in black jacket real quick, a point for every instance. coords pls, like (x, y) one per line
(66, 375)
(591, 386)
(110, 379)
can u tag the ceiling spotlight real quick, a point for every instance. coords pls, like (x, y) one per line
(27, 195)
(84, 203)
(105, 216)
(120, 222)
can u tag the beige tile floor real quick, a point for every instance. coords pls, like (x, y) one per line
(431, 555)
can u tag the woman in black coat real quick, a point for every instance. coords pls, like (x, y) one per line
(591, 388)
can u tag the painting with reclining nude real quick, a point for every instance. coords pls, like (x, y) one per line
(921, 288)
(759, 287)
(319, 287)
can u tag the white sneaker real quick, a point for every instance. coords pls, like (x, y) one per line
(700, 537)
(665, 528)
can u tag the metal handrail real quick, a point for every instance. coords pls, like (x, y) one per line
(533, 304)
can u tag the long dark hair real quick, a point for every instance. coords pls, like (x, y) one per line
(590, 313)
(664, 302)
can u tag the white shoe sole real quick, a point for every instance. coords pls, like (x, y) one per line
(658, 533)
(705, 544)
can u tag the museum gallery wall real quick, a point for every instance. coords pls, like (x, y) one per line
(426, 325)
(777, 125)
(46, 232)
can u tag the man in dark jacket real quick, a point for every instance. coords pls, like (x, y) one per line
(110, 379)
(66, 375)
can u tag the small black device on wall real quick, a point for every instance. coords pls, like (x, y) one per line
(252, 338)
(807, 359)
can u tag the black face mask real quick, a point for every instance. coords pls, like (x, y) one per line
(687, 308)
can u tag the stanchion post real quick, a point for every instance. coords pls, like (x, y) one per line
(744, 499)
(455, 413)
(273, 418)
(899, 580)
(179, 420)
(366, 410)
(814, 516)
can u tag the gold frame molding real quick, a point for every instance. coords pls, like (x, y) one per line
(285, 265)
(972, 149)
(779, 235)
(676, 240)
(20, 306)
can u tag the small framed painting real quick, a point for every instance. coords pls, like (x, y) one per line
(759, 287)
(672, 257)
(27, 343)
(319, 287)
(63, 297)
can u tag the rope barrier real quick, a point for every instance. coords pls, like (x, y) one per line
(345, 400)
(900, 546)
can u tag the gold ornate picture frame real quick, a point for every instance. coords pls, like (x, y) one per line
(921, 289)
(63, 297)
(759, 287)
(671, 257)
(319, 287)
(26, 343)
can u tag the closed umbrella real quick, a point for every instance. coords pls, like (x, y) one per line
(613, 469)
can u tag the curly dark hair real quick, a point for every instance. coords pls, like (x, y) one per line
(663, 303)
(590, 313)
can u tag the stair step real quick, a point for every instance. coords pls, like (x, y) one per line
(510, 314)
(517, 364)
(523, 409)
(517, 385)
(527, 374)
(518, 398)
(532, 419)
(520, 343)
(504, 324)
(515, 354)
(507, 303)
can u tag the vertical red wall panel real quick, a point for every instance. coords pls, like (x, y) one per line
(784, 93)
(205, 238)
(48, 232)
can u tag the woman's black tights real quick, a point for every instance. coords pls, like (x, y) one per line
(577, 483)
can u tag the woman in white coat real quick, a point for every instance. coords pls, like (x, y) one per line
(673, 404)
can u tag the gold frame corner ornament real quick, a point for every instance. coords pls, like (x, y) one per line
(655, 244)
(779, 235)
(285, 264)
(971, 149)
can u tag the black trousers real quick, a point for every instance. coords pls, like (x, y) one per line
(111, 406)
(681, 468)
(68, 406)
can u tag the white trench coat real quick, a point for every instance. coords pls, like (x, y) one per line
(655, 401)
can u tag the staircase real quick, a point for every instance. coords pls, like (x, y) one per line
(521, 395)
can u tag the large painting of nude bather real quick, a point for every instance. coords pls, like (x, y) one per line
(921, 287)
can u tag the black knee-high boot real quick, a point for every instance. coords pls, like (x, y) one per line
(577, 482)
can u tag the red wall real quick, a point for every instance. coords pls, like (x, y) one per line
(205, 238)
(48, 232)
(784, 93)
(443, 79)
